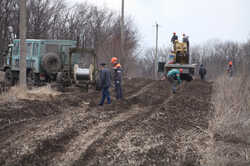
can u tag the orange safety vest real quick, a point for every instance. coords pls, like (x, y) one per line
(117, 65)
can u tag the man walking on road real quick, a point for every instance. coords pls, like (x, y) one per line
(202, 72)
(174, 78)
(117, 77)
(105, 78)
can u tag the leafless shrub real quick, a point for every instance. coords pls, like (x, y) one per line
(146, 61)
(94, 27)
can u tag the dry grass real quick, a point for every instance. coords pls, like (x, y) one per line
(231, 101)
(17, 93)
(227, 141)
(229, 131)
(193, 145)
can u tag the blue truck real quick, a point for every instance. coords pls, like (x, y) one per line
(46, 60)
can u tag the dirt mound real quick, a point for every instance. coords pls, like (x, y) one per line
(145, 128)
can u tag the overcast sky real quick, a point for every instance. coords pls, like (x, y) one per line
(201, 20)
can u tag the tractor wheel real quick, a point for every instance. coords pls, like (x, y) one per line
(51, 63)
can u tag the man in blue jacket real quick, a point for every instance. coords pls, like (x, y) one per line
(173, 77)
(105, 78)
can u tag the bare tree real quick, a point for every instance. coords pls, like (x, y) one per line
(8, 17)
(100, 27)
(41, 16)
(148, 61)
(215, 55)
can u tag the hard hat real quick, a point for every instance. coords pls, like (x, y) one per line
(113, 60)
(181, 70)
(174, 33)
(230, 63)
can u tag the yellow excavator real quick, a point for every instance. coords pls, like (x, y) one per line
(179, 58)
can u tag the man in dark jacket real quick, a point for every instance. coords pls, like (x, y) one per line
(117, 77)
(105, 78)
(185, 39)
(202, 72)
(174, 37)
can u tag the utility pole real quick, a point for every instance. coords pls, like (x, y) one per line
(22, 29)
(122, 29)
(156, 51)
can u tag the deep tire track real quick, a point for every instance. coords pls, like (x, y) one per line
(47, 149)
(131, 111)
(107, 149)
(134, 131)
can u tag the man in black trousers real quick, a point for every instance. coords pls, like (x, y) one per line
(105, 78)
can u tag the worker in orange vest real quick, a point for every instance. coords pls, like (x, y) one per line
(117, 77)
(230, 68)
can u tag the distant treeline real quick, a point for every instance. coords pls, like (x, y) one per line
(93, 26)
(214, 54)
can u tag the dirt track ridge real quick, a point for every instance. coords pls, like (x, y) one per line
(81, 143)
(135, 131)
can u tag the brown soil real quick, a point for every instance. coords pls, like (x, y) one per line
(72, 130)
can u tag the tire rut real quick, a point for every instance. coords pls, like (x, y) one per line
(112, 135)
(156, 146)
(47, 149)
(85, 140)
(81, 143)
(84, 134)
(38, 133)
(35, 134)
(140, 91)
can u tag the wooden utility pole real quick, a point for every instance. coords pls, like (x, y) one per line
(156, 52)
(122, 30)
(22, 29)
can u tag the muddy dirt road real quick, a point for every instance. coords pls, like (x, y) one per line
(146, 128)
